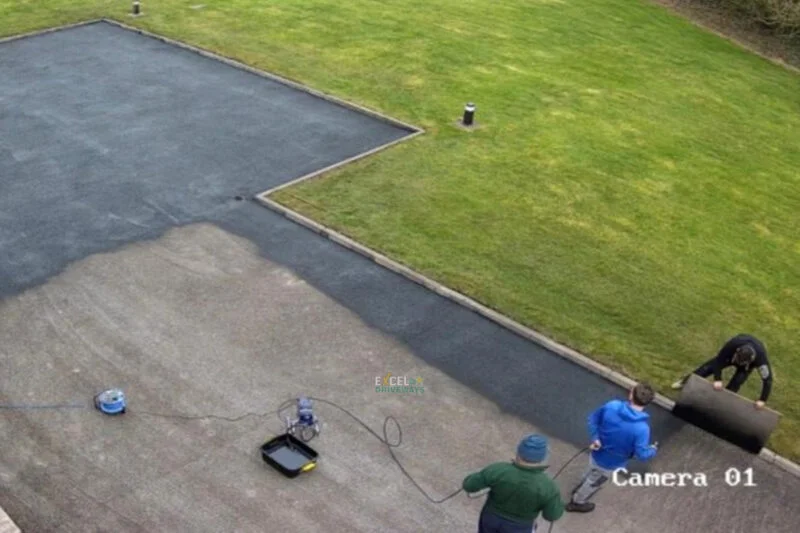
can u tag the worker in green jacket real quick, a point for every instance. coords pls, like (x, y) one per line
(519, 490)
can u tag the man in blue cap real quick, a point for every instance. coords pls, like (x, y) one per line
(518, 490)
(619, 431)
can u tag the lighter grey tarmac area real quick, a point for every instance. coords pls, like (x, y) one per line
(199, 323)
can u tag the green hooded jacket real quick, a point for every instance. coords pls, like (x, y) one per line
(518, 493)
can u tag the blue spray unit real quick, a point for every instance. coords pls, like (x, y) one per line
(306, 425)
(111, 402)
(287, 453)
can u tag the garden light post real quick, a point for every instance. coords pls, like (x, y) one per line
(469, 114)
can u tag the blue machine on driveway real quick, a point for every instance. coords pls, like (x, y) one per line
(111, 402)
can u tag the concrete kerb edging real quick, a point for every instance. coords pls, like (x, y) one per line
(500, 319)
(48, 30)
(344, 162)
(465, 301)
(413, 130)
(270, 76)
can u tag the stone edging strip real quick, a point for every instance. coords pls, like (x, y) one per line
(504, 321)
(48, 30)
(413, 130)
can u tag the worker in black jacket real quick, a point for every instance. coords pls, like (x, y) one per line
(744, 352)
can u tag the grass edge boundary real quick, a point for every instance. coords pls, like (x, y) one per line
(506, 322)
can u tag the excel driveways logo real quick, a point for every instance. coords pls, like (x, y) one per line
(399, 384)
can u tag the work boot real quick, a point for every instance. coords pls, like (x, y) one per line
(573, 507)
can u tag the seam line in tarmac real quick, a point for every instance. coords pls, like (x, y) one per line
(571, 355)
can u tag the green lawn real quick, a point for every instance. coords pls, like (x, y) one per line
(633, 190)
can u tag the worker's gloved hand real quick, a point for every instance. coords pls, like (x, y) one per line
(595, 445)
(654, 445)
(759, 405)
(717, 385)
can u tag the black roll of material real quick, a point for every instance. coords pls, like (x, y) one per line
(725, 414)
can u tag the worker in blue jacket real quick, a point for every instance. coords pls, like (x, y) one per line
(619, 431)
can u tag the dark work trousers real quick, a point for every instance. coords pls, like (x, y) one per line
(736, 382)
(492, 523)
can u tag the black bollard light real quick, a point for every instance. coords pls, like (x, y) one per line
(136, 8)
(469, 114)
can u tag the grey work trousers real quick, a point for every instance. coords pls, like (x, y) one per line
(593, 480)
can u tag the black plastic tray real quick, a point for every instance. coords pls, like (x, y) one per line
(288, 455)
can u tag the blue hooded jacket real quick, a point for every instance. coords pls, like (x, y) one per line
(623, 433)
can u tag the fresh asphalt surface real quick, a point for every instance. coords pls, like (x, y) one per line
(141, 136)
(108, 138)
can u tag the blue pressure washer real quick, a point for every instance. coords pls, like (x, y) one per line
(306, 425)
(287, 453)
(111, 402)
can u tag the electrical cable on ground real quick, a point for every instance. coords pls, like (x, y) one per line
(563, 467)
(390, 446)
(26, 407)
(201, 417)
(384, 439)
